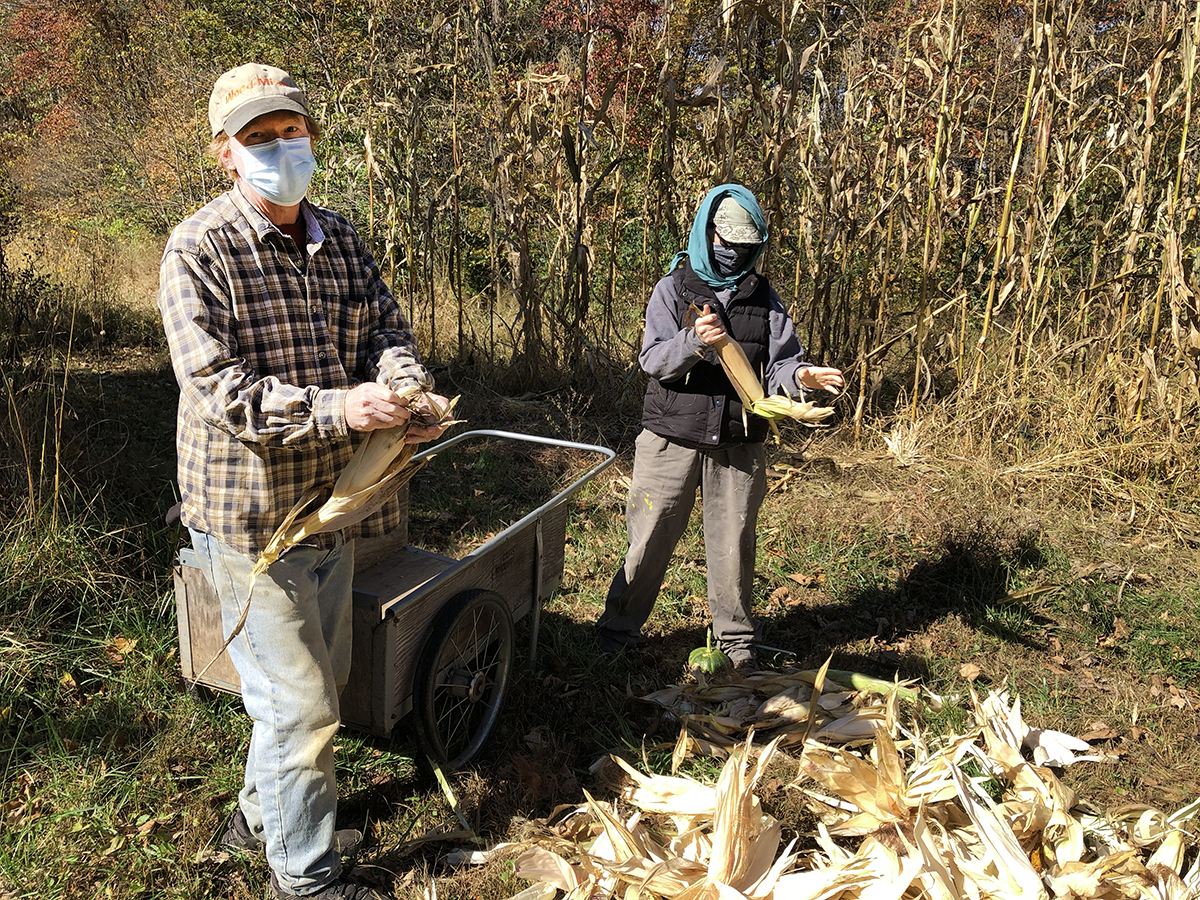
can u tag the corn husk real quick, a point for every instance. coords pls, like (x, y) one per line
(921, 825)
(380, 466)
(717, 716)
(749, 390)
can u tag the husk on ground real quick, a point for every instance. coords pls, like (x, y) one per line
(898, 816)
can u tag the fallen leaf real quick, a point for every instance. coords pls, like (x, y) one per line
(536, 739)
(122, 646)
(970, 671)
(805, 580)
(1098, 731)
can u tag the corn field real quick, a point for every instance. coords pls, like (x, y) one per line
(983, 208)
(967, 199)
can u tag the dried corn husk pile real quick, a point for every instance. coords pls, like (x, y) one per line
(716, 716)
(918, 826)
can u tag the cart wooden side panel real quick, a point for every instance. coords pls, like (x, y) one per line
(198, 612)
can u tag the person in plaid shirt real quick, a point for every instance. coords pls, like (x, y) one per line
(288, 348)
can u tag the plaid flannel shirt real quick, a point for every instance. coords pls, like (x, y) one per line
(265, 343)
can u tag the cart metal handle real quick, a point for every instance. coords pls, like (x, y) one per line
(536, 605)
(609, 456)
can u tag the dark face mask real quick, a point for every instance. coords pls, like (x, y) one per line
(731, 260)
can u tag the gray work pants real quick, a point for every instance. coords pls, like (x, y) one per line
(733, 483)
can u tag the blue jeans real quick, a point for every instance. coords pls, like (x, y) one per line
(293, 658)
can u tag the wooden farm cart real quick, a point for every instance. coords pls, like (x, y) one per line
(433, 635)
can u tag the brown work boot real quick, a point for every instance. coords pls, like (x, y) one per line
(238, 838)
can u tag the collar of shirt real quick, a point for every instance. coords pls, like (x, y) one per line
(264, 226)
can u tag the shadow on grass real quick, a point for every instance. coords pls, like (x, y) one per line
(970, 577)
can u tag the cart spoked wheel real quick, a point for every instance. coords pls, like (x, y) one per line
(462, 676)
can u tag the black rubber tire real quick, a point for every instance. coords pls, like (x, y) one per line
(462, 676)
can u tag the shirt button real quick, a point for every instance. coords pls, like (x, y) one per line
(321, 354)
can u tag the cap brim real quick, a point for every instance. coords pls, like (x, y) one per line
(252, 109)
(738, 234)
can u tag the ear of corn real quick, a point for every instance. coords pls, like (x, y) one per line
(749, 389)
(737, 367)
(380, 466)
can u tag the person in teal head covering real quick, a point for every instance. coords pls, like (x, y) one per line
(693, 432)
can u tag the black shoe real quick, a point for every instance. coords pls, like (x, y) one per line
(746, 666)
(239, 838)
(744, 661)
(339, 889)
(609, 644)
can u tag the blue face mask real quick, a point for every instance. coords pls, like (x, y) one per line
(278, 170)
(732, 260)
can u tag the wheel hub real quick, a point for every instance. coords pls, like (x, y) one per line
(478, 685)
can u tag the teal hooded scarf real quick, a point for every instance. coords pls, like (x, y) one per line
(699, 247)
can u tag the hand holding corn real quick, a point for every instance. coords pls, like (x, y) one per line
(708, 327)
(746, 382)
(370, 406)
(430, 417)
